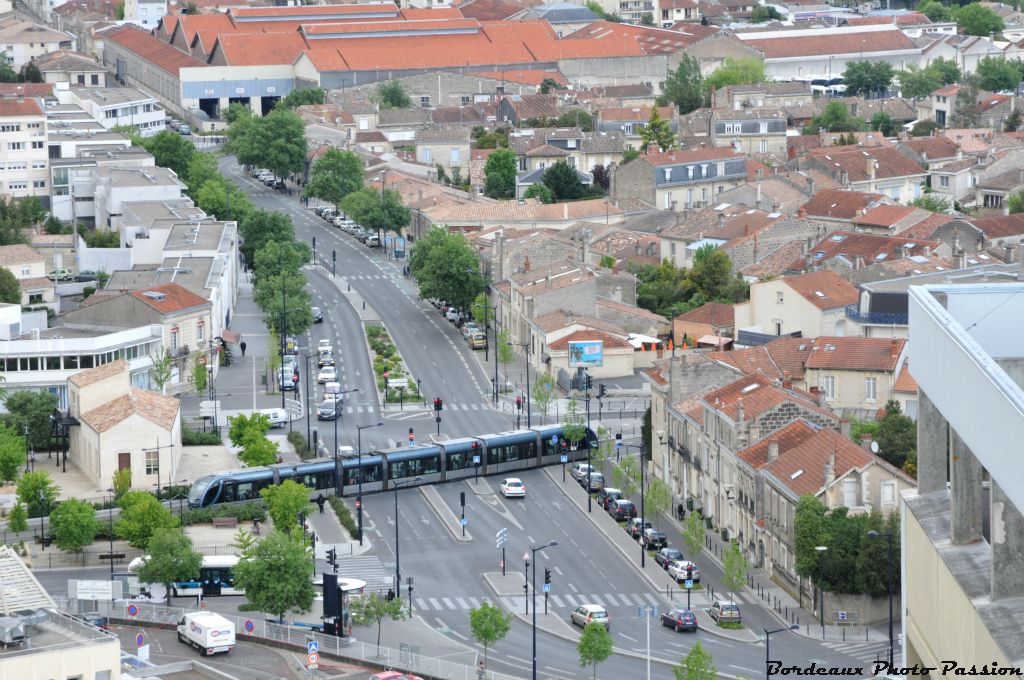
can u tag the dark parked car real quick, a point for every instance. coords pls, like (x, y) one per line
(621, 510)
(87, 276)
(679, 619)
(634, 528)
(318, 315)
(329, 409)
(608, 495)
(93, 619)
(652, 539)
(596, 482)
(326, 359)
(667, 556)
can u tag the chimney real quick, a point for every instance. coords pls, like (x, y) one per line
(741, 413)
(844, 428)
(526, 264)
(865, 441)
(773, 451)
(830, 469)
(565, 211)
(894, 348)
(721, 220)
(801, 213)
(871, 167)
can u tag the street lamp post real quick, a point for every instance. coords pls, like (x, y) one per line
(110, 531)
(889, 537)
(398, 563)
(821, 577)
(768, 644)
(337, 415)
(643, 553)
(359, 475)
(309, 404)
(42, 518)
(533, 551)
(527, 346)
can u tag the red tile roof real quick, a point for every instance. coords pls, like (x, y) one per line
(256, 49)
(610, 341)
(789, 437)
(11, 107)
(840, 204)
(176, 298)
(781, 359)
(381, 26)
(26, 89)
(758, 396)
(856, 354)
(496, 9)
(215, 22)
(883, 216)
(837, 41)
(904, 381)
(931, 148)
(801, 467)
(93, 375)
(825, 289)
(152, 49)
(717, 314)
(947, 91)
(634, 113)
(869, 248)
(853, 161)
(656, 375)
(660, 158)
(1000, 226)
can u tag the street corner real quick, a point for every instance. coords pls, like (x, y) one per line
(509, 584)
(481, 487)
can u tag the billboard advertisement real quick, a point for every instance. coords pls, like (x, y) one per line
(586, 354)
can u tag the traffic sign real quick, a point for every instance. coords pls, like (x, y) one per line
(547, 587)
(501, 538)
(842, 616)
(476, 460)
(133, 611)
(618, 445)
(312, 659)
(563, 458)
(463, 521)
(312, 646)
(554, 439)
(249, 626)
(140, 639)
(688, 583)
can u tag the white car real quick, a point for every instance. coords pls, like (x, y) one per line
(278, 417)
(678, 571)
(327, 374)
(324, 346)
(513, 487)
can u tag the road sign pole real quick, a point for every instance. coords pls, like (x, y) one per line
(503, 561)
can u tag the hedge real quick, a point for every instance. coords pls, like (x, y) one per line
(190, 437)
(344, 516)
(252, 510)
(301, 444)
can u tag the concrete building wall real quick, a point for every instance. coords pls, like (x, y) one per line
(70, 661)
(851, 388)
(650, 69)
(144, 75)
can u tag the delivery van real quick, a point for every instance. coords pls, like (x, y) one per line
(207, 631)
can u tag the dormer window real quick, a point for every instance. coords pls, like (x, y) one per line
(689, 172)
(704, 170)
(668, 174)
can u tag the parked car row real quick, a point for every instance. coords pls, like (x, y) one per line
(473, 334)
(181, 127)
(268, 178)
(339, 219)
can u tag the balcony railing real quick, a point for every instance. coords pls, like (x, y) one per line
(884, 318)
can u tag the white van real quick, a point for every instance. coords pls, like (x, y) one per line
(207, 631)
(278, 417)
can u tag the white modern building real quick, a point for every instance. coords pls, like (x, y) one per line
(144, 13)
(114, 106)
(22, 41)
(23, 166)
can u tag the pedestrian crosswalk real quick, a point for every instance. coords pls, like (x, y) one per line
(367, 277)
(558, 601)
(865, 652)
(367, 568)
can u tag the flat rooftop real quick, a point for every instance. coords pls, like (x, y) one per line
(192, 273)
(204, 235)
(112, 96)
(145, 213)
(992, 273)
(55, 631)
(137, 177)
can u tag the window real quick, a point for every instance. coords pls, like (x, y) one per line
(37, 145)
(828, 385)
(15, 146)
(94, 79)
(944, 181)
(364, 124)
(174, 340)
(81, 79)
(10, 127)
(779, 297)
(871, 389)
(888, 490)
(39, 183)
(425, 102)
(152, 461)
(201, 331)
(851, 492)
(427, 156)
(466, 100)
(25, 271)
(762, 146)
(454, 158)
(35, 298)
(17, 185)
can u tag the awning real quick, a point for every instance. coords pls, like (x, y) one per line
(228, 335)
(714, 340)
(638, 341)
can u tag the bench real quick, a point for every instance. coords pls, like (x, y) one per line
(225, 521)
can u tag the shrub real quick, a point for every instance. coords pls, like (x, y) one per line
(344, 516)
(253, 510)
(298, 440)
(190, 437)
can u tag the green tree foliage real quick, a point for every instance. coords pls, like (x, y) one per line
(16, 215)
(657, 500)
(735, 568)
(594, 647)
(646, 435)
(170, 557)
(201, 168)
(966, 111)
(548, 84)
(540, 192)
(496, 139)
(918, 83)
(873, 560)
(222, 198)
(391, 95)
(629, 155)
(287, 293)
(763, 13)
(882, 122)
(597, 9)
(32, 409)
(30, 73)
(276, 141)
(248, 432)
(160, 373)
(809, 530)
(489, 625)
(275, 573)
(10, 290)
(73, 524)
(483, 313)
(1015, 203)
(659, 131)
(698, 664)
(141, 515)
(1013, 121)
(12, 452)
(932, 202)
(447, 268)
(835, 118)
(684, 87)
(626, 476)
(542, 394)
(694, 533)
(7, 74)
(259, 228)
(741, 71)
(924, 128)
(282, 256)
(285, 501)
(505, 352)
(500, 174)
(607, 262)
(897, 436)
(303, 97)
(122, 480)
(171, 150)
(997, 74)
(868, 77)
(377, 211)
(17, 520)
(38, 492)
(669, 290)
(574, 429)
(976, 19)
(647, 19)
(564, 182)
(369, 609)
(236, 111)
(935, 10)
(572, 118)
(335, 175)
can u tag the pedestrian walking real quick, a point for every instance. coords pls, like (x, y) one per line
(241, 346)
(255, 527)
(680, 511)
(320, 500)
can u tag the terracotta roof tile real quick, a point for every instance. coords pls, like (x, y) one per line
(884, 215)
(10, 108)
(156, 408)
(610, 341)
(926, 228)
(853, 161)
(840, 204)
(486, 10)
(790, 436)
(856, 354)
(655, 375)
(634, 113)
(660, 158)
(784, 44)
(560, 318)
(932, 148)
(825, 289)
(862, 249)
(171, 298)
(802, 468)
(757, 394)
(26, 89)
(18, 254)
(904, 381)
(781, 359)
(717, 314)
(93, 375)
(256, 49)
(632, 310)
(546, 151)
(777, 261)
(1000, 226)
(153, 50)
(35, 282)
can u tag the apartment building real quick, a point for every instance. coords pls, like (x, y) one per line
(23, 158)
(679, 179)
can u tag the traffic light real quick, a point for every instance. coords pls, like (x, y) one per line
(334, 256)
(332, 556)
(601, 390)
(438, 403)
(314, 243)
(475, 449)
(519, 402)
(359, 504)
(588, 380)
(565, 445)
(618, 436)
(547, 575)
(412, 436)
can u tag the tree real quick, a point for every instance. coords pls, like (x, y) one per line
(160, 373)
(199, 375)
(260, 227)
(924, 128)
(867, 77)
(12, 453)
(10, 291)
(275, 574)
(285, 501)
(897, 435)
(391, 95)
(548, 84)
(170, 150)
(935, 11)
(542, 394)
(607, 262)
(377, 211)
(1013, 121)
(7, 74)
(141, 515)
(446, 267)
(932, 202)
(735, 567)
(38, 492)
(32, 409)
(595, 646)
(170, 557)
(201, 169)
(882, 122)
(372, 608)
(505, 352)
(73, 524)
(809, 531)
(282, 256)
(122, 483)
(736, 71)
(873, 559)
(303, 97)
(283, 135)
(540, 192)
(602, 178)
(248, 432)
(646, 19)
(626, 476)
(684, 87)
(1015, 203)
(489, 625)
(975, 19)
(657, 500)
(235, 111)
(657, 130)
(694, 533)
(946, 70)
(763, 13)
(221, 198)
(835, 118)
(573, 428)
(500, 174)
(564, 181)
(696, 665)
(335, 175)
(17, 520)
(998, 74)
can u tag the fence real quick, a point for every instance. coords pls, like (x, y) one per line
(259, 630)
(54, 559)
